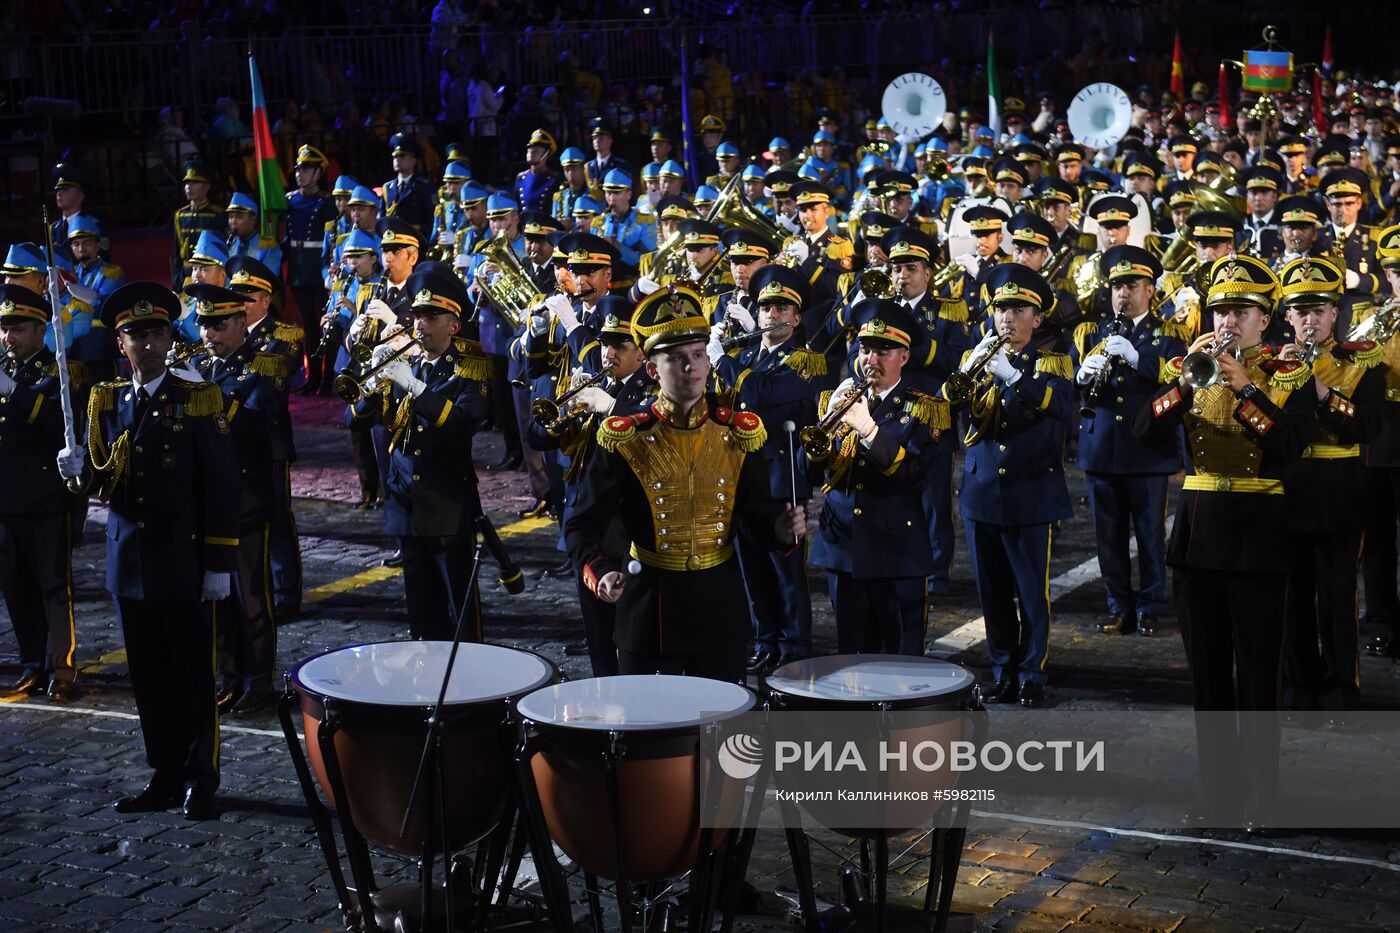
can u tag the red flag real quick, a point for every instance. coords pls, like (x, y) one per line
(1327, 53)
(1178, 75)
(1319, 110)
(1225, 118)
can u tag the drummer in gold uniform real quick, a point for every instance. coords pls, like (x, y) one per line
(678, 468)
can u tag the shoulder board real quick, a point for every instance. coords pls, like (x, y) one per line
(480, 246)
(619, 429)
(1364, 353)
(1083, 333)
(953, 309)
(288, 333)
(645, 218)
(268, 364)
(1286, 374)
(473, 366)
(50, 369)
(330, 224)
(1171, 369)
(838, 247)
(806, 363)
(111, 271)
(202, 399)
(745, 428)
(1054, 364)
(929, 410)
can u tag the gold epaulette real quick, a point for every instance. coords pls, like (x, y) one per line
(708, 304)
(287, 332)
(77, 371)
(929, 410)
(1083, 332)
(203, 399)
(953, 309)
(104, 397)
(840, 248)
(1290, 375)
(806, 363)
(1364, 353)
(745, 428)
(475, 367)
(51, 369)
(268, 364)
(1054, 364)
(113, 271)
(1178, 329)
(617, 430)
(1170, 370)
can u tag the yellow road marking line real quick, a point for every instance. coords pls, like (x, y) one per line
(379, 574)
(108, 660)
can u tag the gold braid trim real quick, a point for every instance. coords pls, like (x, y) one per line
(268, 364)
(1170, 370)
(930, 411)
(475, 368)
(202, 399)
(288, 333)
(1179, 329)
(1368, 356)
(1083, 333)
(824, 400)
(806, 363)
(113, 462)
(1055, 364)
(615, 431)
(841, 461)
(77, 371)
(403, 417)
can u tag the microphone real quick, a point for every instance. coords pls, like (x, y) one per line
(511, 577)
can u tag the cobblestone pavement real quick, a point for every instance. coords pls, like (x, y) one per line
(69, 862)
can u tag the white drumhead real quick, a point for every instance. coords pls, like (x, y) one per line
(636, 702)
(409, 673)
(870, 678)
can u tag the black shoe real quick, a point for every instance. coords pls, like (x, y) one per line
(1000, 691)
(576, 649)
(154, 798)
(29, 682)
(366, 502)
(1117, 624)
(1147, 625)
(1384, 646)
(762, 660)
(566, 569)
(393, 560)
(226, 698)
(511, 461)
(255, 705)
(60, 691)
(199, 805)
(539, 509)
(1032, 694)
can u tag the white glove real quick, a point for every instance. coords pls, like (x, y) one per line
(646, 285)
(563, 309)
(737, 312)
(714, 349)
(1001, 367)
(539, 323)
(595, 399)
(1186, 297)
(462, 261)
(217, 585)
(1090, 368)
(788, 223)
(978, 351)
(70, 462)
(969, 262)
(401, 375)
(1122, 348)
(381, 312)
(83, 292)
(445, 238)
(858, 417)
(7, 385)
(1353, 280)
(188, 373)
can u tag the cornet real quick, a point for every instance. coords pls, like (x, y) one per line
(182, 353)
(821, 438)
(550, 413)
(963, 385)
(1201, 369)
(351, 388)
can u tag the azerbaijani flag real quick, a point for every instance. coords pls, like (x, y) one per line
(993, 91)
(1327, 53)
(1267, 72)
(1178, 75)
(272, 197)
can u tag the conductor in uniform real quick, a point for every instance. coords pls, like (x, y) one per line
(433, 407)
(158, 450)
(680, 474)
(36, 543)
(1121, 362)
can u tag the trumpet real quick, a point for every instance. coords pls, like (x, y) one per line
(873, 282)
(550, 413)
(352, 388)
(1201, 369)
(962, 385)
(1380, 326)
(182, 353)
(793, 253)
(819, 439)
(945, 276)
(739, 340)
(1056, 263)
(1309, 348)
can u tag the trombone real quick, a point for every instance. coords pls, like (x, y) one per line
(352, 388)
(819, 439)
(550, 413)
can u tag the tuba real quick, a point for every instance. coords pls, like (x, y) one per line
(1100, 114)
(511, 291)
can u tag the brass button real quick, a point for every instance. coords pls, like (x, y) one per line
(140, 524)
(415, 477)
(856, 511)
(139, 449)
(693, 562)
(1117, 417)
(859, 486)
(1001, 447)
(419, 453)
(1001, 471)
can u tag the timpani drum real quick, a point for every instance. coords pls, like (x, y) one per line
(883, 683)
(374, 702)
(620, 774)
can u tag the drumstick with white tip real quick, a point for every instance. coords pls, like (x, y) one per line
(791, 428)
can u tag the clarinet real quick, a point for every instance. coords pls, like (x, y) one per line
(1094, 392)
(341, 275)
